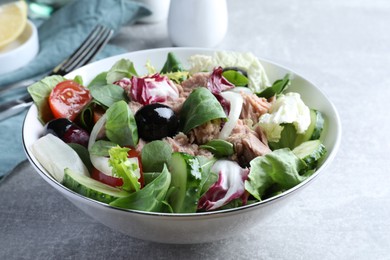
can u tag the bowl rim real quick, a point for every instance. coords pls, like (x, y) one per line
(223, 212)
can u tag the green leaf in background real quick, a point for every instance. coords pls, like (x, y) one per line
(150, 68)
(236, 78)
(40, 92)
(123, 68)
(172, 64)
(108, 94)
(121, 127)
(150, 198)
(78, 79)
(220, 148)
(154, 155)
(200, 107)
(99, 80)
(277, 87)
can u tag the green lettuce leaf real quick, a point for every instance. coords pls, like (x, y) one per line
(99, 80)
(279, 167)
(200, 107)
(121, 127)
(220, 148)
(125, 168)
(78, 79)
(40, 92)
(107, 95)
(154, 155)
(150, 198)
(172, 64)
(123, 68)
(277, 87)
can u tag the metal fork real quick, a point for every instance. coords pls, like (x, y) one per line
(91, 46)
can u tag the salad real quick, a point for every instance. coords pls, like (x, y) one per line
(215, 135)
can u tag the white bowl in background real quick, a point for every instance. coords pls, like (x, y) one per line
(21, 51)
(195, 227)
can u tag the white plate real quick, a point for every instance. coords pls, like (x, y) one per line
(197, 227)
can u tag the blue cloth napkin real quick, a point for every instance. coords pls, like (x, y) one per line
(59, 36)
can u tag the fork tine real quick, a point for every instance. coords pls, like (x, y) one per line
(84, 46)
(99, 42)
(89, 45)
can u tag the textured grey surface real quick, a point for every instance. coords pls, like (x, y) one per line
(343, 47)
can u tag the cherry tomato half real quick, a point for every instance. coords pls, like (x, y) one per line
(67, 99)
(106, 179)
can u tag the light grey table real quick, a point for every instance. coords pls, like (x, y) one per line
(342, 46)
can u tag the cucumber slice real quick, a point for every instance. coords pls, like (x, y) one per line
(310, 152)
(91, 188)
(186, 179)
(315, 128)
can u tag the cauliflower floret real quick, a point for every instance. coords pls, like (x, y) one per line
(288, 108)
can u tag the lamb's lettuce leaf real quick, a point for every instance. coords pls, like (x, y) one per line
(123, 68)
(220, 148)
(150, 198)
(154, 155)
(200, 107)
(277, 87)
(121, 127)
(107, 94)
(79, 80)
(172, 64)
(235, 77)
(99, 80)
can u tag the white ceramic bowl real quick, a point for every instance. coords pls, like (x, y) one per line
(21, 51)
(198, 227)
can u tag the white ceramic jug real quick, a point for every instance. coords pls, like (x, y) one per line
(197, 23)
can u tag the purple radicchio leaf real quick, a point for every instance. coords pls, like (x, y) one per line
(216, 84)
(152, 89)
(229, 186)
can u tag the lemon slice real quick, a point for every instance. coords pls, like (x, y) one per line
(13, 20)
